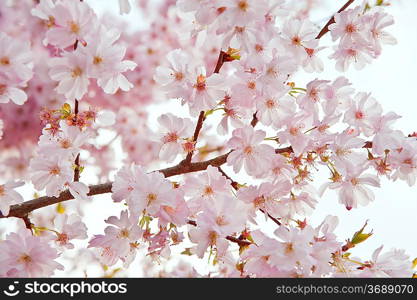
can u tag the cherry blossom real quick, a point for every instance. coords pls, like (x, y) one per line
(69, 227)
(215, 127)
(176, 131)
(9, 196)
(119, 238)
(248, 151)
(25, 255)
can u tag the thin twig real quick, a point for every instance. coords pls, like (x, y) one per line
(77, 159)
(325, 29)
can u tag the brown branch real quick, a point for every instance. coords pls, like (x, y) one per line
(197, 130)
(220, 61)
(77, 159)
(325, 29)
(23, 209)
(254, 120)
(223, 57)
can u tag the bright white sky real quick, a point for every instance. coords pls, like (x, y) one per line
(391, 79)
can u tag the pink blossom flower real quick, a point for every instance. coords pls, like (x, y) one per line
(394, 263)
(294, 250)
(353, 188)
(206, 187)
(258, 256)
(16, 59)
(363, 113)
(350, 52)
(8, 196)
(54, 174)
(72, 21)
(337, 96)
(242, 12)
(348, 26)
(302, 204)
(297, 35)
(71, 72)
(176, 212)
(173, 77)
(175, 132)
(220, 218)
(206, 91)
(10, 91)
(275, 106)
(106, 62)
(205, 10)
(118, 240)
(125, 182)
(26, 255)
(404, 161)
(277, 70)
(69, 227)
(68, 140)
(151, 192)
(294, 133)
(266, 197)
(248, 151)
(377, 35)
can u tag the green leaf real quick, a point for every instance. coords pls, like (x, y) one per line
(360, 236)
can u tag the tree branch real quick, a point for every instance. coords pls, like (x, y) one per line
(23, 209)
(325, 29)
(197, 130)
(77, 159)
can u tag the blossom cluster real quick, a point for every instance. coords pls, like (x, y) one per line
(250, 150)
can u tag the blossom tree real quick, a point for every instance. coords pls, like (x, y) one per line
(252, 144)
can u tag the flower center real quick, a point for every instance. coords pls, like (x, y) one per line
(289, 248)
(208, 190)
(179, 76)
(259, 48)
(76, 72)
(221, 221)
(65, 143)
(252, 85)
(124, 233)
(5, 61)
(294, 131)
(212, 236)
(243, 5)
(359, 115)
(2, 190)
(24, 258)
(354, 181)
(259, 201)
(270, 103)
(201, 83)
(97, 60)
(151, 198)
(170, 137)
(248, 150)
(55, 171)
(351, 52)
(350, 28)
(296, 41)
(62, 239)
(3, 88)
(74, 28)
